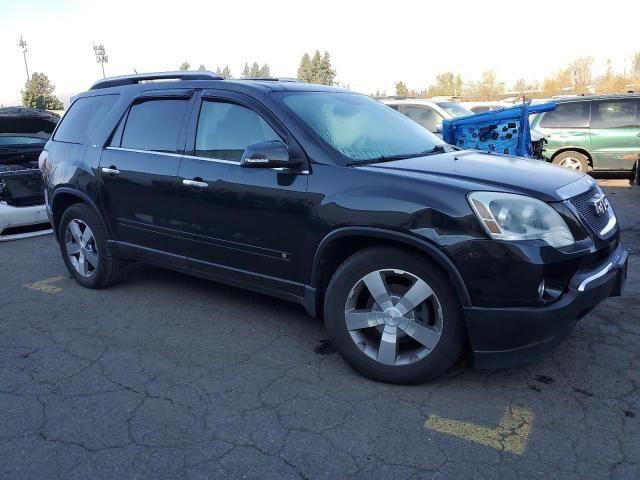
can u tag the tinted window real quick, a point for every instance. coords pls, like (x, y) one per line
(454, 109)
(357, 126)
(425, 116)
(154, 125)
(226, 129)
(615, 113)
(571, 114)
(83, 117)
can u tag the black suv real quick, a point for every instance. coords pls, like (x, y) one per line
(412, 250)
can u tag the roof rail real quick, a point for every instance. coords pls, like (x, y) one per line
(272, 79)
(143, 77)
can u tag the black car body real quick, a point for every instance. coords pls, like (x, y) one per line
(292, 217)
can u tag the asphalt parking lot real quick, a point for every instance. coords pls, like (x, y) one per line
(168, 376)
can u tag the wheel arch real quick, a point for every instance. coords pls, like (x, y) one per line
(63, 197)
(581, 150)
(340, 244)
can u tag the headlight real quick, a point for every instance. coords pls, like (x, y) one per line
(506, 216)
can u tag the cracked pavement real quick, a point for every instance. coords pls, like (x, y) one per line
(169, 376)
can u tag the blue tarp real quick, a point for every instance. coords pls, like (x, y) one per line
(504, 131)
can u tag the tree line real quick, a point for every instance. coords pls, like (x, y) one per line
(577, 78)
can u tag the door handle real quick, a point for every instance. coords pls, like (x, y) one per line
(111, 171)
(196, 184)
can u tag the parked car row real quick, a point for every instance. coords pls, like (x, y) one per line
(583, 133)
(413, 251)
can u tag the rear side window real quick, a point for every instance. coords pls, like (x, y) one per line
(571, 114)
(154, 125)
(226, 129)
(615, 113)
(84, 115)
(425, 116)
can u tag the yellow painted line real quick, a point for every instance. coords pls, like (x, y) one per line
(45, 285)
(511, 434)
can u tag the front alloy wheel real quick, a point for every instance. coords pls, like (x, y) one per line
(393, 317)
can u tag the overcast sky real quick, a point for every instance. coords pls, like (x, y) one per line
(372, 44)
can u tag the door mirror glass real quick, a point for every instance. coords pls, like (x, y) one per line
(270, 154)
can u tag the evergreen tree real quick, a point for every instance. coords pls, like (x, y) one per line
(184, 67)
(401, 89)
(264, 72)
(226, 73)
(304, 70)
(202, 68)
(246, 73)
(326, 74)
(38, 93)
(255, 70)
(316, 66)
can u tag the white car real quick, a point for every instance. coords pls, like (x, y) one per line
(427, 112)
(480, 107)
(23, 134)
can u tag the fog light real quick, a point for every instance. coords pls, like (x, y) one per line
(541, 288)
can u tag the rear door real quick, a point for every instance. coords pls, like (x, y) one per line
(243, 224)
(615, 133)
(566, 127)
(139, 173)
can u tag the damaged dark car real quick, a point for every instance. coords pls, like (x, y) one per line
(23, 135)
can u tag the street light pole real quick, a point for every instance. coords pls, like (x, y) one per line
(101, 56)
(23, 45)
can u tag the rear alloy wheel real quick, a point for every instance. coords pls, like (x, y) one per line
(85, 249)
(81, 247)
(393, 316)
(573, 161)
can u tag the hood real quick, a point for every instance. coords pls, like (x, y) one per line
(25, 120)
(487, 171)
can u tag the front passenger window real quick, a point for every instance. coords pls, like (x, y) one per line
(226, 129)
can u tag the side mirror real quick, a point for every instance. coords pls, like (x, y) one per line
(271, 154)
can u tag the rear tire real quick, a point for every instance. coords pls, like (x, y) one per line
(83, 244)
(572, 160)
(386, 333)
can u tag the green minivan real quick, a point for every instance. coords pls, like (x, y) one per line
(600, 133)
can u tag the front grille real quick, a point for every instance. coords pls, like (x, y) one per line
(583, 205)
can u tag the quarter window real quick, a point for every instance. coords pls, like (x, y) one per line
(84, 115)
(226, 129)
(425, 116)
(615, 113)
(154, 125)
(570, 114)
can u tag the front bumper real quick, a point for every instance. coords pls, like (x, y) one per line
(15, 217)
(502, 337)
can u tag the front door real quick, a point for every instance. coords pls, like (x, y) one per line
(245, 225)
(139, 175)
(615, 133)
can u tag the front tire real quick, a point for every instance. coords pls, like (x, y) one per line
(393, 316)
(91, 261)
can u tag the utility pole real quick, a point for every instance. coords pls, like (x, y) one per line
(101, 56)
(23, 45)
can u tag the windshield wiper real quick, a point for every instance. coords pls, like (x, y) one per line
(390, 158)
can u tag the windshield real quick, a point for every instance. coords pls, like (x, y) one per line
(454, 109)
(358, 127)
(21, 140)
